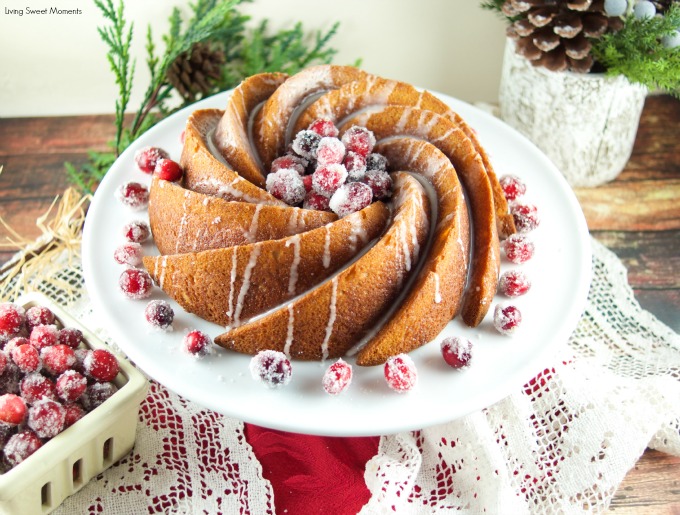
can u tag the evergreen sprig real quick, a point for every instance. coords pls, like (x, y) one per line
(213, 22)
(637, 51)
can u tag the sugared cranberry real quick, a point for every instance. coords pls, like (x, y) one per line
(13, 343)
(9, 380)
(400, 373)
(27, 358)
(39, 315)
(330, 151)
(58, 359)
(96, 394)
(457, 351)
(288, 161)
(315, 201)
(350, 198)
(272, 368)
(12, 319)
(512, 187)
(324, 127)
(133, 194)
(73, 413)
(70, 336)
(146, 158)
(514, 283)
(135, 283)
(359, 140)
(20, 446)
(286, 185)
(128, 254)
(518, 248)
(337, 377)
(12, 409)
(327, 179)
(35, 387)
(355, 165)
(376, 162)
(506, 318)
(306, 143)
(526, 217)
(307, 181)
(197, 343)
(46, 418)
(380, 183)
(101, 365)
(70, 385)
(44, 336)
(159, 314)
(137, 231)
(168, 170)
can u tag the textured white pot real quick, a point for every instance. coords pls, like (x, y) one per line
(585, 123)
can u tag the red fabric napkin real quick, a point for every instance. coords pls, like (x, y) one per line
(313, 474)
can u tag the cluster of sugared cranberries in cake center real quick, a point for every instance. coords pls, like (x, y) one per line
(325, 172)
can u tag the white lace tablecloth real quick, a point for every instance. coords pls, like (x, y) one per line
(560, 445)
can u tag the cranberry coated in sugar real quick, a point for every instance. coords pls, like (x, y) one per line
(168, 170)
(525, 216)
(197, 343)
(101, 365)
(324, 127)
(147, 157)
(12, 409)
(512, 187)
(400, 373)
(271, 368)
(46, 418)
(506, 318)
(337, 377)
(159, 314)
(39, 315)
(514, 283)
(518, 248)
(20, 446)
(12, 318)
(133, 194)
(136, 231)
(135, 283)
(457, 351)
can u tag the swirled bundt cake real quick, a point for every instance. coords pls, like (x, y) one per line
(324, 213)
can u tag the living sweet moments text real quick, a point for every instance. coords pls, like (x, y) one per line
(30, 11)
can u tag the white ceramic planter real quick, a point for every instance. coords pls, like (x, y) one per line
(585, 123)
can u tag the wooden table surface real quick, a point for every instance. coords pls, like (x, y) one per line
(637, 216)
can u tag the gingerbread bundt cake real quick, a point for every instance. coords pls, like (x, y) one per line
(324, 213)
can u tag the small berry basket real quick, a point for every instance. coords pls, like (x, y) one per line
(66, 462)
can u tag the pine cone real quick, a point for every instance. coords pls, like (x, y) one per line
(195, 72)
(558, 34)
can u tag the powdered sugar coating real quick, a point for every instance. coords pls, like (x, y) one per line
(128, 254)
(271, 368)
(350, 198)
(12, 409)
(136, 231)
(133, 195)
(514, 283)
(20, 446)
(101, 365)
(305, 144)
(327, 179)
(39, 315)
(513, 187)
(44, 336)
(12, 318)
(337, 377)
(330, 151)
(315, 201)
(400, 373)
(359, 139)
(96, 394)
(518, 248)
(197, 344)
(457, 351)
(27, 358)
(506, 318)
(147, 157)
(135, 283)
(526, 217)
(46, 418)
(355, 164)
(286, 185)
(159, 314)
(70, 385)
(58, 358)
(380, 183)
(324, 127)
(288, 161)
(35, 387)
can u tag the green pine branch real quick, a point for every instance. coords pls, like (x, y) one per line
(213, 22)
(637, 51)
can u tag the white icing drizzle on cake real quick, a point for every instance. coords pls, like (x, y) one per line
(289, 333)
(251, 234)
(331, 318)
(294, 241)
(245, 286)
(437, 292)
(327, 247)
